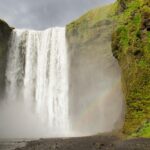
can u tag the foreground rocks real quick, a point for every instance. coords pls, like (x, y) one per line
(88, 143)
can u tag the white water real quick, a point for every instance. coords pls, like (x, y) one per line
(37, 78)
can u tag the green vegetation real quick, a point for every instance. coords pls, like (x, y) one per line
(131, 46)
(143, 131)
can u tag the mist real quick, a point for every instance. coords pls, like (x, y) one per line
(17, 120)
(96, 99)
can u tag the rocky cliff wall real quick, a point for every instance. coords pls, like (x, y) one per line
(5, 32)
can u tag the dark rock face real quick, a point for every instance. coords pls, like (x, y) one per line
(122, 5)
(5, 32)
(146, 24)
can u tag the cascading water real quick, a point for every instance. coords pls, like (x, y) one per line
(37, 74)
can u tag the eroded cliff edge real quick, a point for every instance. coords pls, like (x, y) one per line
(129, 22)
(5, 32)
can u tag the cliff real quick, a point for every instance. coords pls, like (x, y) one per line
(5, 32)
(129, 25)
(94, 72)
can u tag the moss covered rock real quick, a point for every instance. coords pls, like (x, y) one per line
(131, 46)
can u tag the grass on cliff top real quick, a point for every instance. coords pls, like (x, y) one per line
(88, 26)
(92, 18)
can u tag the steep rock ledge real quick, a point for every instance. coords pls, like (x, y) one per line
(5, 32)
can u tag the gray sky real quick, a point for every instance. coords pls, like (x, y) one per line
(41, 14)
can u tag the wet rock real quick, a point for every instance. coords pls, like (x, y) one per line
(146, 24)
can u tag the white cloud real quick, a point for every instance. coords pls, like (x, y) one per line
(41, 14)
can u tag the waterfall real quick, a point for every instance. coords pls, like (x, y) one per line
(37, 74)
(53, 92)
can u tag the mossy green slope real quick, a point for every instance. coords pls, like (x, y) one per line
(5, 32)
(131, 46)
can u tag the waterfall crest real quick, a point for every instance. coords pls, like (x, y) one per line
(37, 73)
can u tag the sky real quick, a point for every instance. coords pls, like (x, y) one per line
(42, 14)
